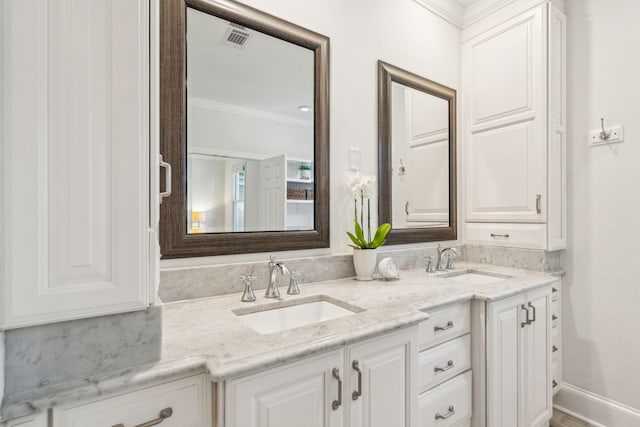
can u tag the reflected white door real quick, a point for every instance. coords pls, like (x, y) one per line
(273, 184)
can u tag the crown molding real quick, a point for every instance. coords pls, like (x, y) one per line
(449, 10)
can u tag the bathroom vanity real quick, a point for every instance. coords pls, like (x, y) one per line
(413, 352)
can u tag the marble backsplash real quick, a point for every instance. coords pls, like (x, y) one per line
(205, 281)
(45, 355)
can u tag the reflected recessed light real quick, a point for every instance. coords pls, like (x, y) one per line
(304, 108)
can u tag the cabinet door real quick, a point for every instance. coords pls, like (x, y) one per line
(184, 403)
(537, 393)
(75, 177)
(504, 82)
(38, 420)
(299, 394)
(504, 364)
(382, 374)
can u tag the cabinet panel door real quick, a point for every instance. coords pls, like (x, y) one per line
(75, 167)
(537, 393)
(300, 394)
(504, 361)
(506, 121)
(388, 394)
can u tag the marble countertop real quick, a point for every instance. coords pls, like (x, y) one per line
(204, 335)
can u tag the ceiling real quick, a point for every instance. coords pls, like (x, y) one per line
(266, 74)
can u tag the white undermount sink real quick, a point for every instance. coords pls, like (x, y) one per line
(475, 277)
(279, 317)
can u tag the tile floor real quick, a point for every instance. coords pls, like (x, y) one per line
(560, 419)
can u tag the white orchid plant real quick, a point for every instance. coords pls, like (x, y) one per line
(361, 187)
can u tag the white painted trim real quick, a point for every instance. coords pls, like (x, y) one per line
(240, 110)
(450, 11)
(482, 8)
(594, 408)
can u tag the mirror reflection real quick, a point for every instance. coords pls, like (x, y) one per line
(420, 158)
(250, 129)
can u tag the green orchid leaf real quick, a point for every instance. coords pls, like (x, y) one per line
(354, 239)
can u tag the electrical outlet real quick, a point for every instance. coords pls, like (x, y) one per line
(616, 134)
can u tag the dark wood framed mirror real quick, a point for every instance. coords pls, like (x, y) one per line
(244, 124)
(416, 157)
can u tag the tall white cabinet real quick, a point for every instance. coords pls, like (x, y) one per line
(513, 91)
(75, 159)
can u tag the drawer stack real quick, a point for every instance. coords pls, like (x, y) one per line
(444, 368)
(556, 336)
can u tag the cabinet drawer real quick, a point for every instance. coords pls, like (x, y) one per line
(442, 362)
(444, 324)
(188, 398)
(451, 400)
(532, 236)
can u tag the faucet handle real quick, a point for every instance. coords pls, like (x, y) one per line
(431, 268)
(450, 264)
(248, 295)
(294, 289)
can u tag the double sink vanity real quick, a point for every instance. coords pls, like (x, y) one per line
(428, 349)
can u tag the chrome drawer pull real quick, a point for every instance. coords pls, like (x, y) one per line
(554, 383)
(554, 290)
(538, 199)
(447, 415)
(337, 403)
(165, 413)
(554, 349)
(506, 236)
(446, 368)
(356, 394)
(167, 180)
(554, 317)
(449, 325)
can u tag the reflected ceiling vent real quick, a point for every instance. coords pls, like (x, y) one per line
(236, 36)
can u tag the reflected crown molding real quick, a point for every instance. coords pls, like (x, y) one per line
(240, 110)
(457, 14)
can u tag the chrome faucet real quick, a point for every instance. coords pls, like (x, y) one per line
(272, 287)
(446, 251)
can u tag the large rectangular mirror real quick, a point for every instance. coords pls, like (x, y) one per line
(417, 156)
(244, 123)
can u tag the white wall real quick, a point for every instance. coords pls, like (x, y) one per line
(602, 286)
(399, 32)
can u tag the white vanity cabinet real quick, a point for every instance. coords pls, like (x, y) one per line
(513, 91)
(366, 384)
(556, 337)
(36, 420)
(180, 403)
(512, 350)
(74, 159)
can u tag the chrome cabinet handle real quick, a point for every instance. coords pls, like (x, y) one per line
(527, 321)
(554, 290)
(554, 383)
(534, 313)
(446, 368)
(554, 317)
(165, 413)
(506, 236)
(538, 200)
(554, 349)
(167, 179)
(449, 325)
(447, 415)
(356, 394)
(406, 208)
(337, 403)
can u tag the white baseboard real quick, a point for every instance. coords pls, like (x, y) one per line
(595, 409)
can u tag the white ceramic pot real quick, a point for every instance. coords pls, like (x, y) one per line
(305, 174)
(364, 261)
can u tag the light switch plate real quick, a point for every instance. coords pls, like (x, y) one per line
(616, 134)
(355, 158)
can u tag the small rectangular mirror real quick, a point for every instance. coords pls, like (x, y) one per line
(417, 156)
